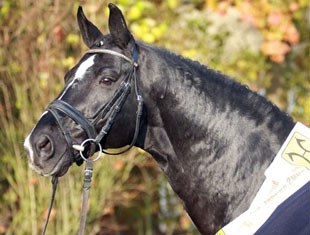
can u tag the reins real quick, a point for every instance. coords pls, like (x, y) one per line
(88, 173)
(60, 109)
(54, 182)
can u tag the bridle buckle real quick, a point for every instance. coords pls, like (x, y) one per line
(81, 148)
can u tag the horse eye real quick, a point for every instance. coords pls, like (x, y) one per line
(106, 81)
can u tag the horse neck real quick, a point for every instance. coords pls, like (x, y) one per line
(211, 136)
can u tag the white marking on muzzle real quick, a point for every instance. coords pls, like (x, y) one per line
(27, 144)
(80, 73)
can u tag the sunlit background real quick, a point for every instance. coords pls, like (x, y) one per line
(264, 44)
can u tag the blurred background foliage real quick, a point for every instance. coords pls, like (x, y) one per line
(264, 44)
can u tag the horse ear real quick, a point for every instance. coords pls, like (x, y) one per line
(90, 33)
(118, 27)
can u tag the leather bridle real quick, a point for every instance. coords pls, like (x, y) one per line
(108, 111)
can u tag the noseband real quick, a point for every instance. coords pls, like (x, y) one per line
(109, 111)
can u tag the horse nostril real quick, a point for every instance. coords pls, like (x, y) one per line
(44, 146)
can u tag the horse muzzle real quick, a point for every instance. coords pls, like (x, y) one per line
(43, 156)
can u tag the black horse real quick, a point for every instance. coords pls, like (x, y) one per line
(211, 136)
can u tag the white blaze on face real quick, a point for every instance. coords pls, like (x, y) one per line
(80, 73)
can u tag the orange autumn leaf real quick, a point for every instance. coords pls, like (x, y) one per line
(109, 210)
(3, 229)
(274, 48)
(294, 6)
(222, 8)
(58, 33)
(247, 12)
(292, 35)
(185, 221)
(52, 216)
(33, 181)
(118, 165)
(274, 18)
(277, 58)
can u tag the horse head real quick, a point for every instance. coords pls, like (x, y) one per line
(96, 90)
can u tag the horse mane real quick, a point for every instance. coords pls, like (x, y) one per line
(235, 96)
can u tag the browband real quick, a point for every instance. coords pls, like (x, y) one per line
(106, 51)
